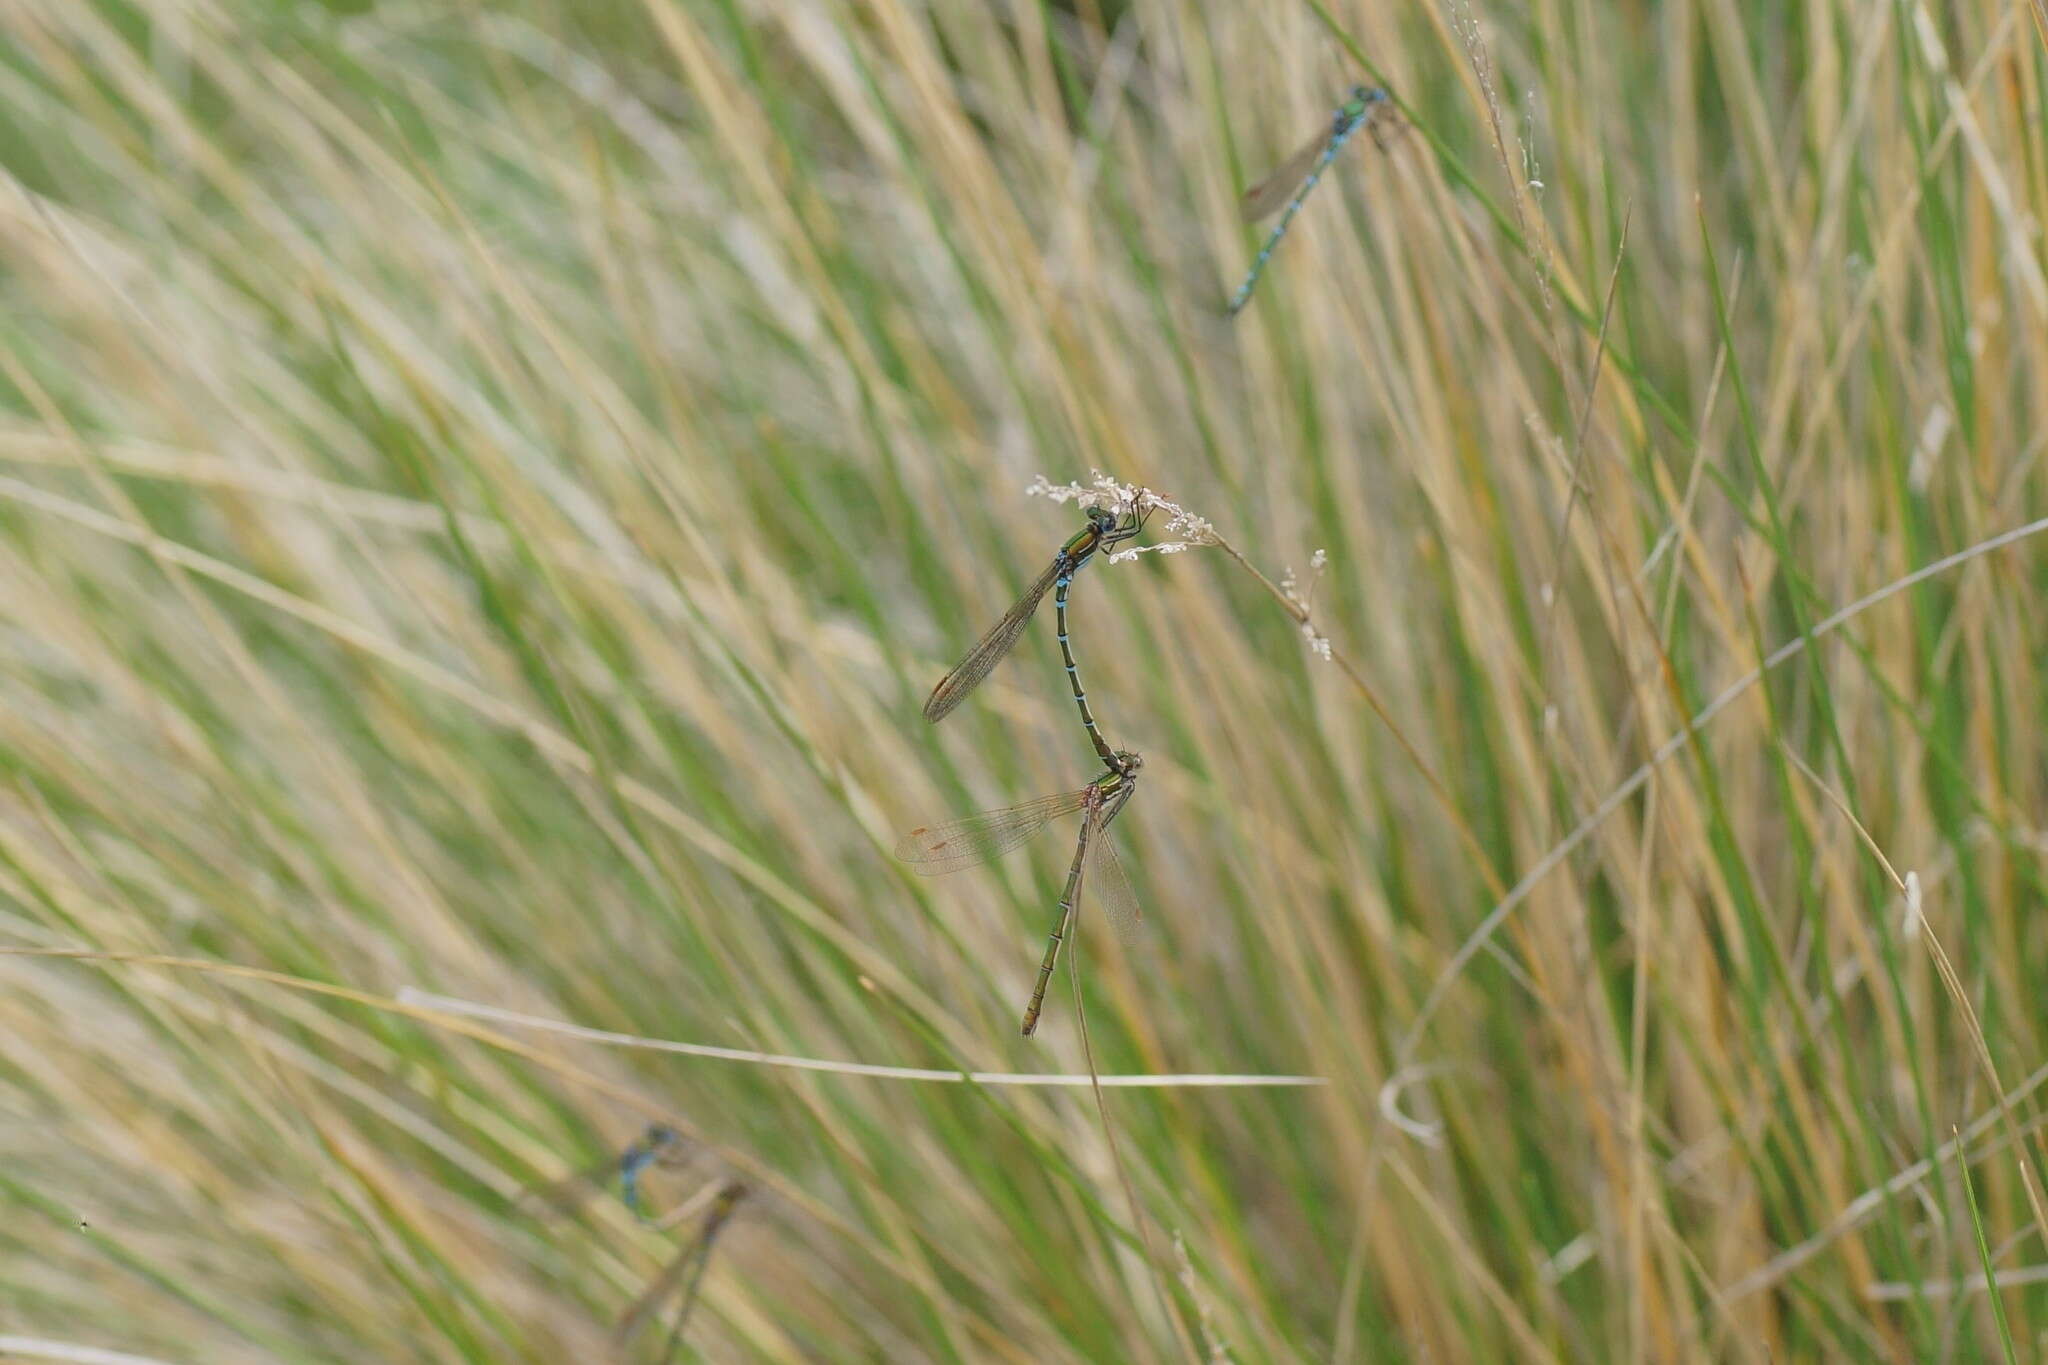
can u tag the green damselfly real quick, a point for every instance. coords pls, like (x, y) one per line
(1298, 174)
(685, 1270)
(1104, 529)
(660, 1145)
(933, 850)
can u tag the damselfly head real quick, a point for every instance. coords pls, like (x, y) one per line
(1102, 519)
(659, 1136)
(1128, 762)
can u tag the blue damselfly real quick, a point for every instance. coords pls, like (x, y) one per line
(1297, 175)
(660, 1145)
(933, 850)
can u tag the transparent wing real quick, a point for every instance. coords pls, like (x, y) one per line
(685, 1268)
(936, 849)
(1277, 188)
(693, 1253)
(721, 1213)
(989, 650)
(1113, 889)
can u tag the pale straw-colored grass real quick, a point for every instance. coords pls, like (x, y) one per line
(487, 488)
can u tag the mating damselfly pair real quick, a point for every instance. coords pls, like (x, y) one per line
(958, 844)
(1292, 180)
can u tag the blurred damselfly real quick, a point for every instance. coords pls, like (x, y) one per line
(1298, 174)
(659, 1145)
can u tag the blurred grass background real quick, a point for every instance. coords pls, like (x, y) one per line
(487, 487)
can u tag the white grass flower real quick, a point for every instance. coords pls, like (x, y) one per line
(1167, 547)
(1173, 520)
(1125, 499)
(1300, 599)
(1042, 487)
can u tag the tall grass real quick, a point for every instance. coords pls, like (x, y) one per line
(486, 488)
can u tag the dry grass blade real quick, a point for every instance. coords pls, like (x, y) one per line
(482, 498)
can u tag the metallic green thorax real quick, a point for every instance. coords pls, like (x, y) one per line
(1088, 539)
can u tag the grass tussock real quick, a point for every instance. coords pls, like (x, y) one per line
(486, 490)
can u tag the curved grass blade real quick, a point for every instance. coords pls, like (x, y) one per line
(989, 650)
(937, 849)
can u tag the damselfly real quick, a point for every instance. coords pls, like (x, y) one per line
(1103, 529)
(1299, 174)
(685, 1270)
(659, 1145)
(978, 838)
